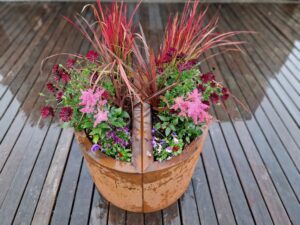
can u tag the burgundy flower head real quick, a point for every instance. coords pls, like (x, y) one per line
(225, 93)
(66, 114)
(172, 111)
(59, 96)
(58, 74)
(55, 68)
(214, 97)
(206, 102)
(186, 66)
(105, 95)
(47, 111)
(207, 77)
(70, 63)
(159, 70)
(92, 56)
(51, 87)
(65, 77)
(169, 55)
(180, 56)
(201, 87)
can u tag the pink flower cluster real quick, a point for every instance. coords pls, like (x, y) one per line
(93, 102)
(192, 107)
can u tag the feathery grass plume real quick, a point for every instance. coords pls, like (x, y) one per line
(187, 37)
(112, 37)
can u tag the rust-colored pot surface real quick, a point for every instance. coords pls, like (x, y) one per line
(143, 185)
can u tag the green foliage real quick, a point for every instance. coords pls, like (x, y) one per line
(167, 123)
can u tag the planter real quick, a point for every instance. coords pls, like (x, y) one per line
(144, 185)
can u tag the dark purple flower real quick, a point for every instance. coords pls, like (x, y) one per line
(163, 142)
(92, 56)
(207, 77)
(126, 129)
(51, 87)
(70, 63)
(47, 111)
(95, 147)
(66, 114)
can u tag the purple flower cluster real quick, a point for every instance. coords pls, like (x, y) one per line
(112, 134)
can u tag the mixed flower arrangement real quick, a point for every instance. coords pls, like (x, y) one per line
(97, 92)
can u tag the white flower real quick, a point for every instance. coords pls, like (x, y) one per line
(169, 149)
(175, 140)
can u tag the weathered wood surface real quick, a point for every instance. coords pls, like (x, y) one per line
(249, 170)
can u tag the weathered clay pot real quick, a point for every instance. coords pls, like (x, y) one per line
(144, 185)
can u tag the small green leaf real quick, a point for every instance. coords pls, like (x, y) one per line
(167, 131)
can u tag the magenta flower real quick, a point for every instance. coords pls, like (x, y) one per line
(92, 56)
(47, 111)
(100, 117)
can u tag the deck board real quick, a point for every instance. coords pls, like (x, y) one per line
(249, 172)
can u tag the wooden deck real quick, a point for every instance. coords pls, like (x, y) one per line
(248, 172)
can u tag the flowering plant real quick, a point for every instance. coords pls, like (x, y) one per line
(95, 93)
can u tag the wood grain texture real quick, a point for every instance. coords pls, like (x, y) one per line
(249, 170)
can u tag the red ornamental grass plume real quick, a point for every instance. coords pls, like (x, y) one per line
(112, 32)
(191, 36)
(65, 114)
(112, 37)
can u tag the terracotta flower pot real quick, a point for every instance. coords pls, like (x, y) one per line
(143, 185)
